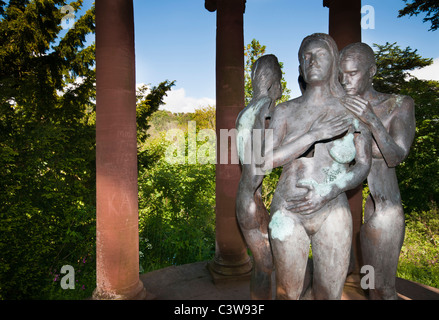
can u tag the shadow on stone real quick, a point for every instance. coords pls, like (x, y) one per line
(194, 282)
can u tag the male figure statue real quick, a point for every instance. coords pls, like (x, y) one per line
(391, 120)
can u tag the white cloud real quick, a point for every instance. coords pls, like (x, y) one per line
(177, 101)
(139, 85)
(71, 86)
(428, 73)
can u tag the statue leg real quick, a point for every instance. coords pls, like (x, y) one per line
(381, 237)
(259, 245)
(331, 247)
(290, 246)
(369, 208)
(253, 221)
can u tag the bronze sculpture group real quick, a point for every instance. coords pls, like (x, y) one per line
(339, 133)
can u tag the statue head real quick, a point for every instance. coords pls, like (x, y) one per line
(357, 68)
(319, 57)
(266, 77)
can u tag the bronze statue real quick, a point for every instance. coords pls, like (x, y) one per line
(324, 151)
(252, 215)
(391, 121)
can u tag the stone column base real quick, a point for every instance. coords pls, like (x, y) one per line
(138, 292)
(222, 272)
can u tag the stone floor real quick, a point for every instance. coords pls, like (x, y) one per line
(194, 282)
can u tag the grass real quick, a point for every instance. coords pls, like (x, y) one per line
(419, 258)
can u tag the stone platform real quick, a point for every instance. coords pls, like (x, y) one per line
(194, 282)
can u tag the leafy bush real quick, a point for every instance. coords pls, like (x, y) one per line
(177, 213)
(47, 214)
(419, 259)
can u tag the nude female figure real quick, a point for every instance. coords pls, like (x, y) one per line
(391, 120)
(252, 215)
(309, 205)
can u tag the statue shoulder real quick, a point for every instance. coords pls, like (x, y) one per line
(401, 99)
(282, 109)
(402, 102)
(394, 103)
(248, 115)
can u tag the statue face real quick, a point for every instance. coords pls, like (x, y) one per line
(316, 62)
(354, 77)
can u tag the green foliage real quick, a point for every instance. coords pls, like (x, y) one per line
(148, 102)
(418, 174)
(47, 150)
(47, 196)
(205, 117)
(269, 186)
(419, 259)
(393, 66)
(252, 52)
(85, 281)
(163, 120)
(177, 212)
(177, 202)
(430, 7)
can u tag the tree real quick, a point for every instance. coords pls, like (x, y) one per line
(48, 149)
(47, 200)
(393, 66)
(205, 117)
(430, 7)
(148, 102)
(177, 212)
(419, 173)
(252, 52)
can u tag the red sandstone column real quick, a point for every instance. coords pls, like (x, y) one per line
(231, 258)
(345, 28)
(117, 237)
(344, 21)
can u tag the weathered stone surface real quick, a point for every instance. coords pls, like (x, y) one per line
(193, 282)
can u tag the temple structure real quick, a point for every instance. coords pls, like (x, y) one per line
(116, 150)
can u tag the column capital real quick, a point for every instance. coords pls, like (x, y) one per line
(327, 3)
(212, 5)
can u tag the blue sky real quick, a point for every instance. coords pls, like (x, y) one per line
(175, 40)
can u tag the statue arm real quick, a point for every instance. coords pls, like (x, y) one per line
(284, 148)
(290, 147)
(355, 175)
(277, 128)
(250, 118)
(394, 144)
